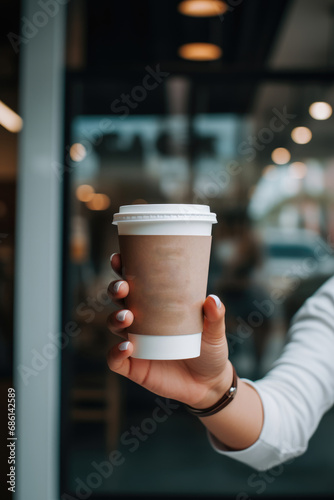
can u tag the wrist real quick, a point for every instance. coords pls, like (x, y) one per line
(219, 388)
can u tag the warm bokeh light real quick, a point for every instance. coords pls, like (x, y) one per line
(280, 156)
(301, 135)
(320, 110)
(99, 201)
(139, 201)
(298, 170)
(202, 8)
(200, 52)
(78, 152)
(9, 119)
(268, 170)
(85, 192)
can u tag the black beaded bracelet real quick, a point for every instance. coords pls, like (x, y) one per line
(222, 403)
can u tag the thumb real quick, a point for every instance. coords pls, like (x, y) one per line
(214, 320)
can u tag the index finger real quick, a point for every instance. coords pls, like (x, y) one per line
(116, 263)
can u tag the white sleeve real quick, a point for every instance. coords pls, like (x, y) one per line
(299, 388)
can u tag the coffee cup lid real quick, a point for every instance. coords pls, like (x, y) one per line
(164, 212)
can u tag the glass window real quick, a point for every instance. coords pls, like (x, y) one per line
(272, 218)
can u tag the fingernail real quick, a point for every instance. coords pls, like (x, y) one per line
(120, 316)
(217, 300)
(111, 256)
(117, 285)
(123, 346)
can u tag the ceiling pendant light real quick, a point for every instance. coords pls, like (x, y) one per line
(200, 52)
(202, 8)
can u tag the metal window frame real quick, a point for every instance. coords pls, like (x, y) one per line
(38, 252)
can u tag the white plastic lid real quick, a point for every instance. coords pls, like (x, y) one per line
(164, 212)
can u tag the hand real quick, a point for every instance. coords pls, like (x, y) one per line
(199, 382)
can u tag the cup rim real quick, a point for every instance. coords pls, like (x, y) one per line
(164, 213)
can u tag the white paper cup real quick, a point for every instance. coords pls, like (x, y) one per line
(165, 255)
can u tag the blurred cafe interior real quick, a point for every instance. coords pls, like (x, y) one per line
(106, 103)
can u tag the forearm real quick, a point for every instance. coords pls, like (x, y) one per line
(239, 424)
(295, 394)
